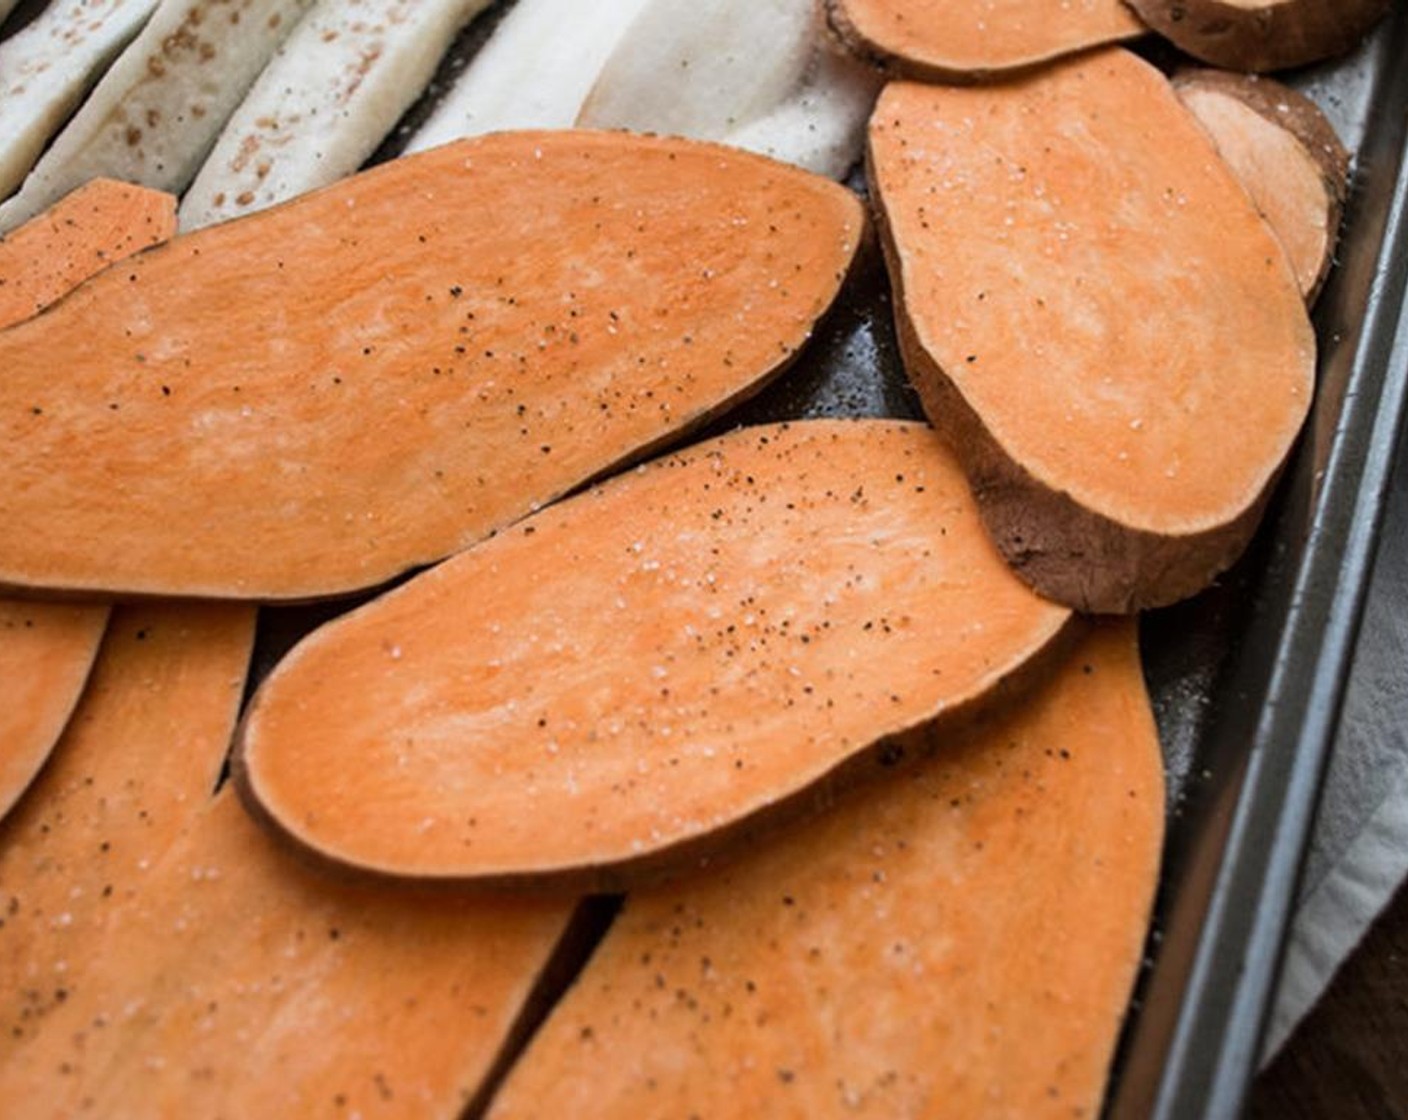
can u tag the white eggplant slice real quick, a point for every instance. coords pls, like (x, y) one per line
(161, 104)
(534, 72)
(692, 68)
(332, 92)
(47, 66)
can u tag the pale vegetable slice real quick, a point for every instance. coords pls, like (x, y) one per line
(959, 940)
(694, 68)
(159, 955)
(327, 393)
(46, 649)
(156, 111)
(140, 757)
(1259, 35)
(48, 65)
(534, 72)
(636, 677)
(1097, 318)
(1286, 154)
(967, 39)
(330, 94)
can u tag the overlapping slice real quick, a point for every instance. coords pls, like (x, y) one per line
(1097, 318)
(958, 39)
(643, 673)
(959, 940)
(159, 955)
(46, 649)
(1287, 156)
(325, 394)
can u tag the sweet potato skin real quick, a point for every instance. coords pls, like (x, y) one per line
(436, 347)
(958, 940)
(644, 674)
(1261, 36)
(1089, 539)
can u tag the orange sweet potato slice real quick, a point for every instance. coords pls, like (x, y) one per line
(956, 39)
(1287, 156)
(634, 677)
(959, 940)
(1098, 320)
(325, 394)
(46, 649)
(141, 755)
(159, 955)
(1260, 35)
(247, 985)
(81, 234)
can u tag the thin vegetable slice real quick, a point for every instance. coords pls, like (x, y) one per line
(693, 68)
(949, 39)
(102, 222)
(161, 104)
(141, 755)
(959, 941)
(1097, 318)
(329, 95)
(1260, 35)
(1286, 154)
(373, 376)
(635, 677)
(534, 72)
(160, 956)
(47, 649)
(47, 66)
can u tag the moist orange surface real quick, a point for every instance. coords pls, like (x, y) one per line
(319, 396)
(1084, 267)
(690, 645)
(958, 940)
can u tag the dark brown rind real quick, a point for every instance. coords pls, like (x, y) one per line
(1272, 36)
(1298, 115)
(1063, 550)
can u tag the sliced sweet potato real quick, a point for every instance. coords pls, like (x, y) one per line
(1286, 154)
(46, 649)
(160, 956)
(80, 235)
(959, 941)
(957, 39)
(636, 676)
(327, 393)
(1097, 318)
(140, 757)
(1260, 35)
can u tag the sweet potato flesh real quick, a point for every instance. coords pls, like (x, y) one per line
(958, 941)
(47, 649)
(142, 753)
(320, 396)
(632, 674)
(960, 37)
(1078, 262)
(1292, 188)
